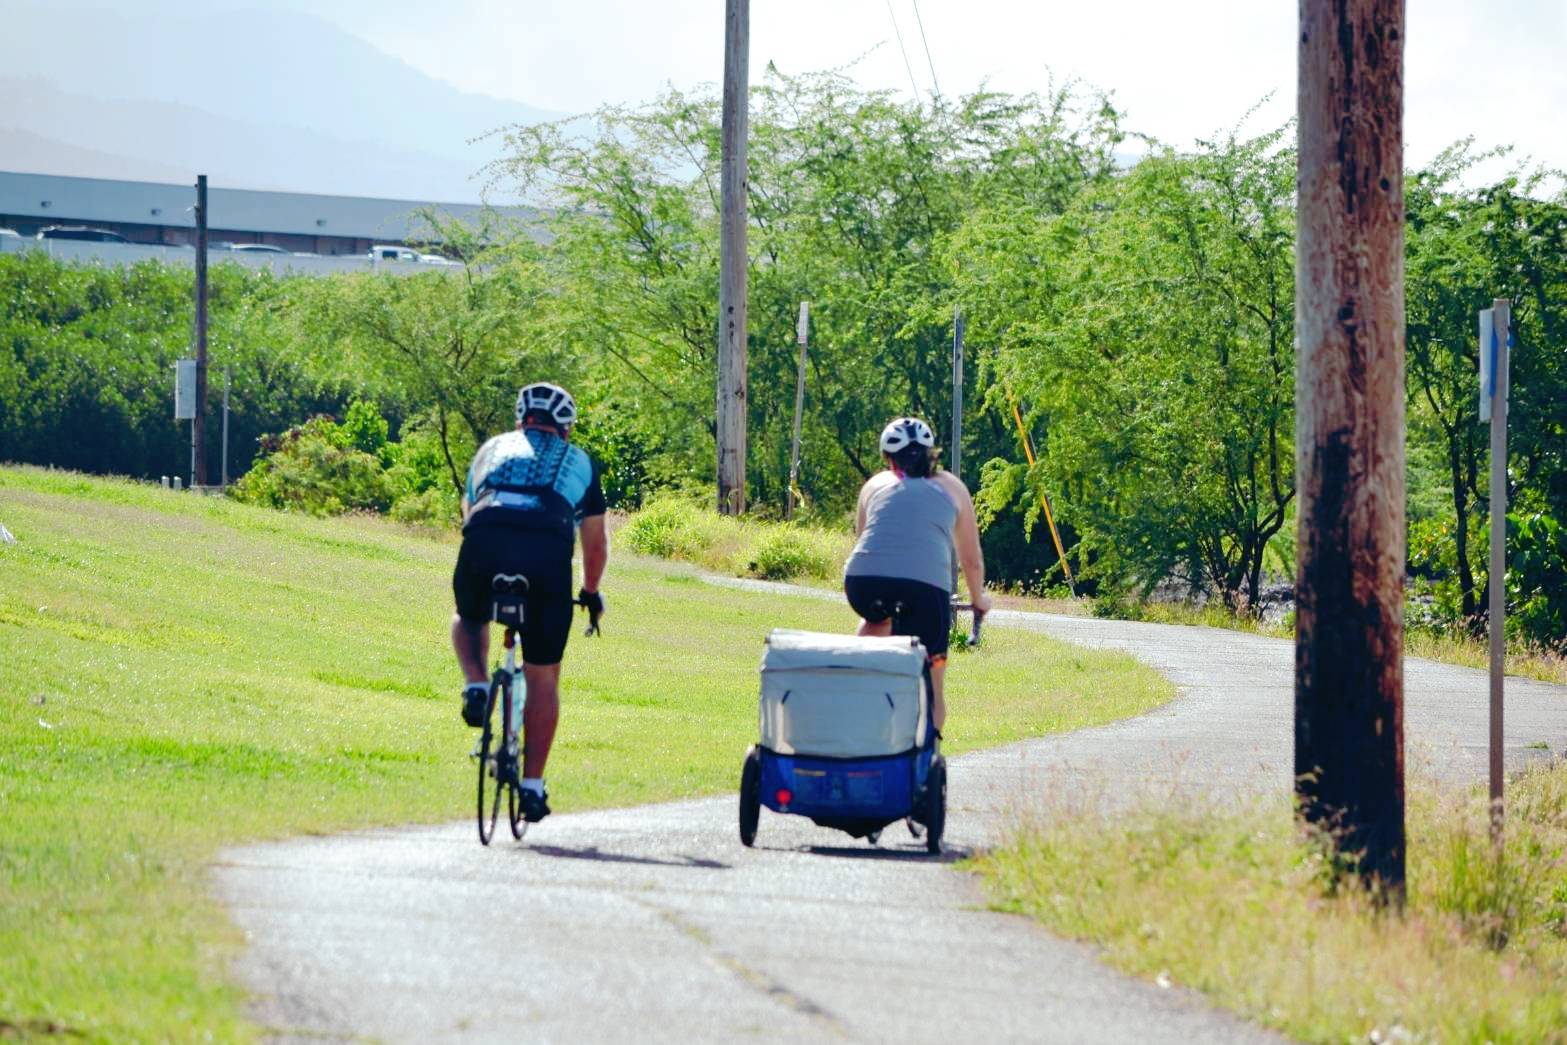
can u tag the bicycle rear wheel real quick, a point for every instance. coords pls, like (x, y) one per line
(490, 782)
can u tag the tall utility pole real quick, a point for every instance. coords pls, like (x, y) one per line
(1349, 430)
(732, 261)
(199, 424)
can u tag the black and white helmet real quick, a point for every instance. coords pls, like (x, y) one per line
(904, 431)
(553, 401)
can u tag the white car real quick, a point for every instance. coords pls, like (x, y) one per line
(386, 252)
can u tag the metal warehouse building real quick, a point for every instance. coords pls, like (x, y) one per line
(158, 214)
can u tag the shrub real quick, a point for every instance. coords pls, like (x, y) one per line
(309, 469)
(785, 552)
(674, 528)
(435, 507)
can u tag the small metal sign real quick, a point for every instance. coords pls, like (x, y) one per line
(185, 390)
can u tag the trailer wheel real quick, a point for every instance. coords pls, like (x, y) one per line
(750, 796)
(935, 804)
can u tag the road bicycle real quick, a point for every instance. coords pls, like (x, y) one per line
(498, 755)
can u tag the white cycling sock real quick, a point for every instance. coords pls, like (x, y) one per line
(534, 784)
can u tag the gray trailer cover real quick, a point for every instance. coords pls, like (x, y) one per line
(842, 696)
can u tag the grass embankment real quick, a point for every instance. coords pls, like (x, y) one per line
(1239, 906)
(179, 673)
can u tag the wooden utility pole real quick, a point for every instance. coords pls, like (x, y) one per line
(1349, 430)
(1501, 316)
(199, 424)
(801, 333)
(732, 261)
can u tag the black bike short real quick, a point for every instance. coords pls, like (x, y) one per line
(927, 609)
(488, 549)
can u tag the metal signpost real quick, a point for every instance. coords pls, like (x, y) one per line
(1495, 358)
(957, 391)
(185, 403)
(799, 408)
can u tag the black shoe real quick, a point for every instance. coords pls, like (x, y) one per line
(535, 807)
(475, 701)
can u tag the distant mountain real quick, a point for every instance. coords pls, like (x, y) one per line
(284, 99)
(25, 151)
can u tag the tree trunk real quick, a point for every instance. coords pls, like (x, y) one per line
(1349, 390)
(1466, 577)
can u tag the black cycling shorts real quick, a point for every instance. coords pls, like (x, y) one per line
(491, 549)
(927, 609)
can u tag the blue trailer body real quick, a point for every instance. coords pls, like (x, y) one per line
(860, 789)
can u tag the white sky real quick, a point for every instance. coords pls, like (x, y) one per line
(1496, 69)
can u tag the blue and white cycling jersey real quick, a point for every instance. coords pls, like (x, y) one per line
(535, 480)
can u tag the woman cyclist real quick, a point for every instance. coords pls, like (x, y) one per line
(910, 519)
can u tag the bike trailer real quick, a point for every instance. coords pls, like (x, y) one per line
(845, 732)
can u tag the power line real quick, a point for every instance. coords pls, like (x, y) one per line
(930, 61)
(899, 34)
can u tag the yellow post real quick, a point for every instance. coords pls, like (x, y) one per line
(1044, 500)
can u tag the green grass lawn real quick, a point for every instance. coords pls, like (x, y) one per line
(179, 673)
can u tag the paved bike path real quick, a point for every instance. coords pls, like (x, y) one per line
(655, 924)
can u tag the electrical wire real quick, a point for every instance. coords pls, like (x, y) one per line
(930, 61)
(899, 34)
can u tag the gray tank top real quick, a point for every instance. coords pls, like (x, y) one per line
(908, 533)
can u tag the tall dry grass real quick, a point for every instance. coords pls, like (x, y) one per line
(1240, 905)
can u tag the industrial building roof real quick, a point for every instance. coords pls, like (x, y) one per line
(250, 210)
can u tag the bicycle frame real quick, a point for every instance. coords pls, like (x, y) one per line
(514, 694)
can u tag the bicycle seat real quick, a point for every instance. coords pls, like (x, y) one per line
(510, 601)
(509, 584)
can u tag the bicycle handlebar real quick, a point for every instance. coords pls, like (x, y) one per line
(979, 619)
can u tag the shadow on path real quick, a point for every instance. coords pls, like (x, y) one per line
(594, 853)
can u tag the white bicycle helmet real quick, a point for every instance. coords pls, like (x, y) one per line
(553, 401)
(903, 431)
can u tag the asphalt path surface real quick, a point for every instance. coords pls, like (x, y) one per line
(655, 924)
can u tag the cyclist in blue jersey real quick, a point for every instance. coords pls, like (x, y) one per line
(530, 494)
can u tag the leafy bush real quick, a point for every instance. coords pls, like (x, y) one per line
(674, 527)
(783, 552)
(311, 469)
(435, 507)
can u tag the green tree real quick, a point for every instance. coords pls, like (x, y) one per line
(852, 194)
(1150, 331)
(1467, 246)
(452, 347)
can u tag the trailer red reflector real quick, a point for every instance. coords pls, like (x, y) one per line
(784, 795)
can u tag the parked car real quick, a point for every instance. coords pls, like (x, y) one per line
(387, 252)
(10, 234)
(81, 232)
(259, 248)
